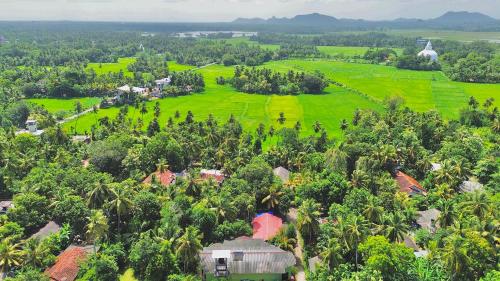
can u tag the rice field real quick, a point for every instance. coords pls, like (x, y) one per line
(65, 106)
(365, 86)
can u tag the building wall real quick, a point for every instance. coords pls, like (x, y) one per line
(246, 277)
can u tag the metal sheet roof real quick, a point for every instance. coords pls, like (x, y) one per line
(258, 257)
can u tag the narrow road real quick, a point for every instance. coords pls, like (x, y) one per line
(77, 115)
(301, 275)
(203, 66)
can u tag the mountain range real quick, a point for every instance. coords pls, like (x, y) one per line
(450, 20)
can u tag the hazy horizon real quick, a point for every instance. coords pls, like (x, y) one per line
(228, 10)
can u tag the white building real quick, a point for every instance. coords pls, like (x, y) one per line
(160, 84)
(428, 52)
(31, 128)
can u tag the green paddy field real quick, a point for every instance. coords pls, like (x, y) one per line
(365, 86)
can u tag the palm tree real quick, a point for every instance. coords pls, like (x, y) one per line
(394, 227)
(447, 215)
(120, 203)
(307, 219)
(35, 253)
(10, 256)
(144, 109)
(356, 229)
(454, 255)
(332, 253)
(283, 241)
(188, 247)
(98, 195)
(478, 204)
(344, 125)
(97, 227)
(373, 211)
(317, 127)
(273, 199)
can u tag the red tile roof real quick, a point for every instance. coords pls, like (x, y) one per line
(217, 175)
(67, 264)
(165, 178)
(266, 226)
(408, 184)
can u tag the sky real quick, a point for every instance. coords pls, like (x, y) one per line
(227, 10)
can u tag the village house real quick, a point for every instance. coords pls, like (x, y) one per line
(164, 177)
(266, 226)
(216, 175)
(282, 173)
(246, 259)
(68, 263)
(5, 206)
(161, 83)
(428, 219)
(470, 186)
(44, 232)
(409, 185)
(31, 128)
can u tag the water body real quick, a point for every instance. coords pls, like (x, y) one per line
(196, 34)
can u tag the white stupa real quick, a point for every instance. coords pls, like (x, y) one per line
(429, 52)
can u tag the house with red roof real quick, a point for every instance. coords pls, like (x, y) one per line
(266, 226)
(409, 185)
(164, 177)
(216, 175)
(68, 264)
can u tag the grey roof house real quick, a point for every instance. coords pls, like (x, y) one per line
(282, 173)
(428, 219)
(246, 258)
(470, 186)
(50, 228)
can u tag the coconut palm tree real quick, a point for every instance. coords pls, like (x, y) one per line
(97, 227)
(477, 203)
(307, 219)
(10, 256)
(35, 253)
(332, 253)
(120, 203)
(188, 246)
(356, 229)
(317, 127)
(98, 195)
(448, 214)
(284, 242)
(394, 227)
(272, 200)
(454, 255)
(373, 211)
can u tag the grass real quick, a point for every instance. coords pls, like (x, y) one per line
(367, 85)
(464, 36)
(68, 105)
(128, 275)
(251, 110)
(105, 68)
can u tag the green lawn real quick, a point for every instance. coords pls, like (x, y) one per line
(68, 105)
(421, 90)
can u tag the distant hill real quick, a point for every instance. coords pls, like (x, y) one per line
(461, 17)
(449, 20)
